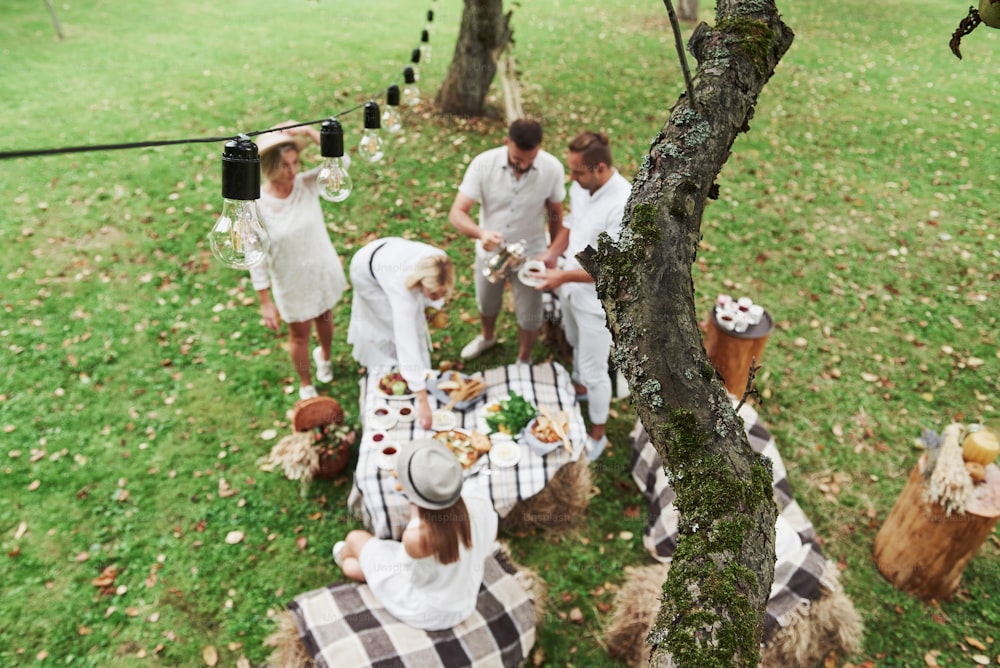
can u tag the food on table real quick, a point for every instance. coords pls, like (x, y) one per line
(549, 428)
(393, 384)
(442, 419)
(461, 388)
(461, 445)
(514, 413)
(481, 442)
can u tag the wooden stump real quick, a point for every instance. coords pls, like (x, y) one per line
(922, 550)
(731, 352)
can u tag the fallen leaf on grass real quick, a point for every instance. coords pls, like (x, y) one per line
(975, 643)
(302, 542)
(576, 616)
(234, 537)
(106, 578)
(210, 655)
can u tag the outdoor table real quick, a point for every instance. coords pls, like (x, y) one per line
(384, 509)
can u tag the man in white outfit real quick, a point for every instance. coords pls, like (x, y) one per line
(517, 186)
(597, 203)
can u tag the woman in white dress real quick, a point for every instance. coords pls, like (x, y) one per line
(393, 281)
(429, 580)
(303, 277)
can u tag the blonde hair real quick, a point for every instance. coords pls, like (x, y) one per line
(432, 272)
(445, 529)
(270, 160)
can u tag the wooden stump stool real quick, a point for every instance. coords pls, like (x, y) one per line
(921, 549)
(731, 352)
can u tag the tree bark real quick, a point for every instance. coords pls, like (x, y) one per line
(712, 612)
(483, 35)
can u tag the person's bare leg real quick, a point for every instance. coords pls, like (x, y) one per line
(353, 544)
(488, 323)
(526, 340)
(324, 332)
(298, 350)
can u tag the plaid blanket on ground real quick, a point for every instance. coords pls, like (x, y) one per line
(798, 575)
(343, 625)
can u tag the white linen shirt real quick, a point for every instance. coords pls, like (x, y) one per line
(589, 215)
(514, 207)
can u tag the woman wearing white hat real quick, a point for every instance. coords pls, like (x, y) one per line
(303, 273)
(430, 580)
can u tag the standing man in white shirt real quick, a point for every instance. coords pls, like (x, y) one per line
(597, 201)
(518, 187)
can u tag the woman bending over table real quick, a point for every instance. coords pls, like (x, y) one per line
(393, 281)
(431, 579)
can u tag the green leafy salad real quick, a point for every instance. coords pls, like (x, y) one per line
(510, 415)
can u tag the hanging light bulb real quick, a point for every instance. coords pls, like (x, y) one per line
(415, 64)
(425, 45)
(411, 94)
(238, 238)
(392, 120)
(334, 181)
(371, 147)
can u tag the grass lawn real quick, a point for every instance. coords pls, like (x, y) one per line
(136, 378)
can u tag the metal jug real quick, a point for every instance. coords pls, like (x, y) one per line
(509, 256)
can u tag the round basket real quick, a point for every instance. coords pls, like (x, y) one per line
(316, 412)
(319, 412)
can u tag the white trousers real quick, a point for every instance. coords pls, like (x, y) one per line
(591, 341)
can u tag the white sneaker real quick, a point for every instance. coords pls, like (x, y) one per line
(596, 447)
(307, 392)
(477, 347)
(324, 373)
(338, 553)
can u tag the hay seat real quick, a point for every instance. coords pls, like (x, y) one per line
(808, 614)
(343, 625)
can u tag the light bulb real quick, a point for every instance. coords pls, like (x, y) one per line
(411, 94)
(238, 239)
(392, 120)
(334, 181)
(415, 64)
(371, 147)
(425, 45)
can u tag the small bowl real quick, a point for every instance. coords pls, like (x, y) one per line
(379, 438)
(383, 418)
(386, 459)
(442, 420)
(406, 413)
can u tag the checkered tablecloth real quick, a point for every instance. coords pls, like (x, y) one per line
(344, 625)
(798, 575)
(383, 509)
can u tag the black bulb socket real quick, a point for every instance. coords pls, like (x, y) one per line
(241, 170)
(415, 56)
(372, 120)
(408, 75)
(331, 138)
(425, 36)
(430, 14)
(392, 96)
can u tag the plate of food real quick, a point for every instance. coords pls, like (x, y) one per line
(456, 390)
(547, 432)
(505, 454)
(393, 386)
(467, 446)
(442, 420)
(510, 415)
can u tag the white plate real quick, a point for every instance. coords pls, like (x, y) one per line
(528, 277)
(442, 420)
(406, 413)
(505, 454)
(538, 446)
(382, 422)
(385, 462)
(380, 393)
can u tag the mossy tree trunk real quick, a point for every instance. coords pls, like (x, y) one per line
(483, 35)
(712, 611)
